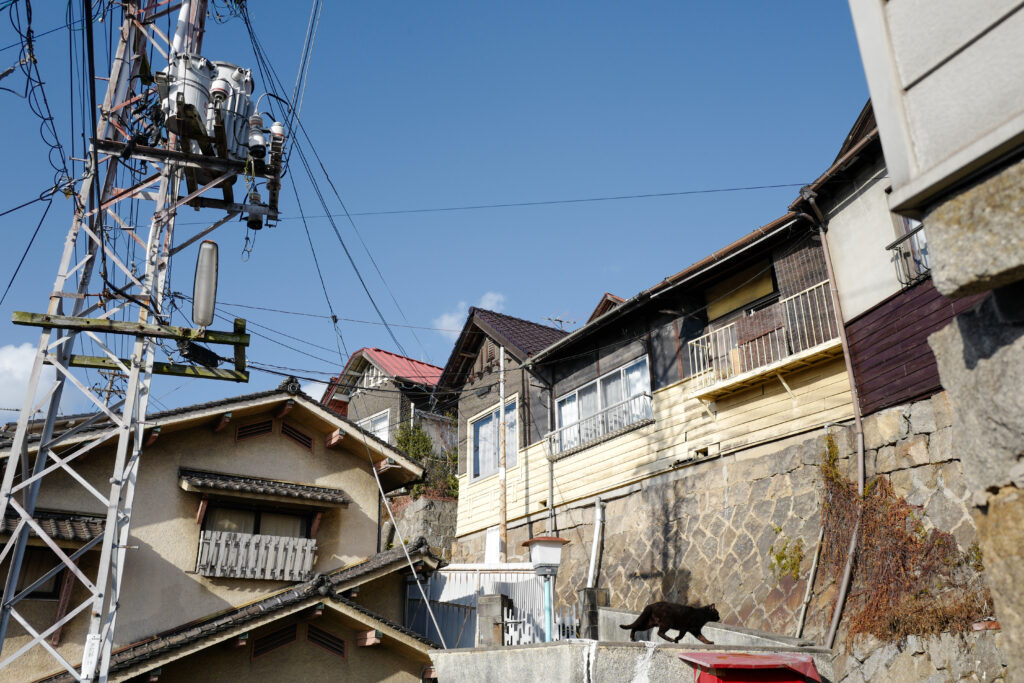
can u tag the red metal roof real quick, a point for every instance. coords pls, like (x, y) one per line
(401, 367)
(801, 664)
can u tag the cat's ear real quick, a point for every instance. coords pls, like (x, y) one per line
(712, 605)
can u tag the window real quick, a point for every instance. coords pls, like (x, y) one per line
(486, 444)
(378, 425)
(39, 561)
(751, 286)
(609, 403)
(256, 521)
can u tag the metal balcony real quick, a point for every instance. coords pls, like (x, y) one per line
(629, 414)
(807, 330)
(910, 256)
(255, 556)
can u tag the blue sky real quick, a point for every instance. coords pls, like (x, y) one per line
(451, 104)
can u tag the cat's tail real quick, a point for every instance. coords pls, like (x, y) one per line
(640, 620)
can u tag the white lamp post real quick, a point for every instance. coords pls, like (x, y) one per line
(546, 555)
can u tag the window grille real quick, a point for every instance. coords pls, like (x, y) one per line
(254, 429)
(326, 640)
(272, 641)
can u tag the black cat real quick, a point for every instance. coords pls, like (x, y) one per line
(666, 615)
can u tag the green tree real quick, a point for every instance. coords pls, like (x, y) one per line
(440, 469)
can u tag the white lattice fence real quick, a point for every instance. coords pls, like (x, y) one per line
(528, 626)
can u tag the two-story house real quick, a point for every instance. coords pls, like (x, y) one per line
(491, 345)
(381, 391)
(252, 550)
(672, 407)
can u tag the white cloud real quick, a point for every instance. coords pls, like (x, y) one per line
(314, 389)
(492, 301)
(450, 324)
(15, 367)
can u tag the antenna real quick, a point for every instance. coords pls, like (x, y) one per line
(561, 322)
(206, 109)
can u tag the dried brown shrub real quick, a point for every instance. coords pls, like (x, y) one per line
(905, 580)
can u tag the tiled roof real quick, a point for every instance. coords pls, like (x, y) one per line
(387, 622)
(402, 367)
(527, 336)
(319, 585)
(213, 481)
(62, 526)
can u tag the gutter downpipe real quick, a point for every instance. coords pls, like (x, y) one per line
(814, 573)
(809, 196)
(598, 530)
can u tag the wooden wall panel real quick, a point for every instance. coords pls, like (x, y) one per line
(889, 344)
(756, 416)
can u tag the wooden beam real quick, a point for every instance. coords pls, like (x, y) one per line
(67, 584)
(201, 512)
(223, 422)
(105, 363)
(315, 526)
(240, 348)
(285, 409)
(334, 438)
(154, 433)
(387, 464)
(67, 322)
(368, 638)
(316, 611)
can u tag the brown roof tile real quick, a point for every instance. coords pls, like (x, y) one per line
(529, 337)
(214, 481)
(61, 526)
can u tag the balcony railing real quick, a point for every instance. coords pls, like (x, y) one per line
(910, 255)
(612, 419)
(804, 321)
(254, 556)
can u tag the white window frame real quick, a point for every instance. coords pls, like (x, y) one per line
(511, 440)
(602, 405)
(367, 422)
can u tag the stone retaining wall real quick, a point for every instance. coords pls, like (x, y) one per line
(706, 532)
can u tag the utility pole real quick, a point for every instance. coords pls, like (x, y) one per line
(502, 482)
(198, 156)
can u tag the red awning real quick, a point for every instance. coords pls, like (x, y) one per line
(801, 664)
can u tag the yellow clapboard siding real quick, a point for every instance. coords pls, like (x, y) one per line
(754, 416)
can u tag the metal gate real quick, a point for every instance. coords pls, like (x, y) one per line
(453, 593)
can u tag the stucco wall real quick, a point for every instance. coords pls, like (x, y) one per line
(299, 660)
(160, 588)
(859, 229)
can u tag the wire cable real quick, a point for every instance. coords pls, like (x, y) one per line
(21, 261)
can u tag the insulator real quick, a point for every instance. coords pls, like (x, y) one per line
(257, 138)
(254, 220)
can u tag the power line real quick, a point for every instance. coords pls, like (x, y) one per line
(21, 261)
(271, 79)
(543, 202)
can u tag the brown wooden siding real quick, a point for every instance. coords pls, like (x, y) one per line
(889, 344)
